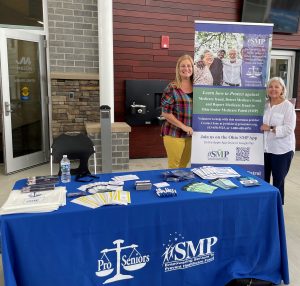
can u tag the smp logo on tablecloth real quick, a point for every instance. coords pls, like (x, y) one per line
(180, 254)
(221, 155)
(131, 261)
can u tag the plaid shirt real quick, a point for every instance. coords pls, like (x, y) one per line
(175, 101)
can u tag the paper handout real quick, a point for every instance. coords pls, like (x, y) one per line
(45, 201)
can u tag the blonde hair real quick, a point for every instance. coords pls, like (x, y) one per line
(281, 82)
(178, 79)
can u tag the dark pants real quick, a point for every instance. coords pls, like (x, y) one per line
(278, 166)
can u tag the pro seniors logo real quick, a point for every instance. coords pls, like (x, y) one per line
(128, 258)
(181, 254)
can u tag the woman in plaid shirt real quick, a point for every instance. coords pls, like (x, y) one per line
(176, 105)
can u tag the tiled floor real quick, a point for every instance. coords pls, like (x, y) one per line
(291, 208)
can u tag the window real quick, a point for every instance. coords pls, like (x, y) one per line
(21, 13)
(283, 65)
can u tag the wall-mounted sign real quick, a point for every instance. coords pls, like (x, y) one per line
(25, 93)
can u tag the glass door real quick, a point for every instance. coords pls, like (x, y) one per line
(24, 99)
(283, 65)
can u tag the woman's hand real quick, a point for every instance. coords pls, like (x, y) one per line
(265, 127)
(173, 120)
(188, 130)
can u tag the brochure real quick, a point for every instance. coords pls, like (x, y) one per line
(42, 180)
(32, 202)
(177, 175)
(225, 184)
(98, 187)
(200, 188)
(248, 181)
(96, 200)
(211, 172)
(124, 178)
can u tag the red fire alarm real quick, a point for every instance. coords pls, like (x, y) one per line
(164, 43)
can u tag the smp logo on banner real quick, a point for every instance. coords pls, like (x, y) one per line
(181, 254)
(256, 42)
(24, 64)
(218, 155)
(131, 260)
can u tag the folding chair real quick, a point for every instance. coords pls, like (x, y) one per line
(76, 147)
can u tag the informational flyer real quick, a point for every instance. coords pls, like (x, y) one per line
(231, 69)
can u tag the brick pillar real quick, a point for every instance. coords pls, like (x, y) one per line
(120, 145)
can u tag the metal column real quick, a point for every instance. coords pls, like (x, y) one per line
(106, 139)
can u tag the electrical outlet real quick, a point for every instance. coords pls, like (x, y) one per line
(71, 95)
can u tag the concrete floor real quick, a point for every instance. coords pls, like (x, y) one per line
(291, 207)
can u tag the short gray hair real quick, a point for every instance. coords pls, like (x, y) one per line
(281, 82)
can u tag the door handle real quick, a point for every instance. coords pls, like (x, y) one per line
(7, 109)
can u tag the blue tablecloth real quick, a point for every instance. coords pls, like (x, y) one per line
(193, 239)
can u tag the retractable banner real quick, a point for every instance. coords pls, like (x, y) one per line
(232, 62)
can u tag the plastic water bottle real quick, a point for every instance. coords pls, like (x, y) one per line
(65, 167)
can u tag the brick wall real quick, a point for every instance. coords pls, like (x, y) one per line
(73, 48)
(73, 36)
(120, 145)
(138, 26)
(120, 151)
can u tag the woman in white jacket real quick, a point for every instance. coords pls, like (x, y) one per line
(279, 123)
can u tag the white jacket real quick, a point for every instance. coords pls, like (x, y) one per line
(283, 117)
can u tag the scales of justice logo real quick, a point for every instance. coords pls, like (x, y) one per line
(253, 72)
(133, 262)
(180, 254)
